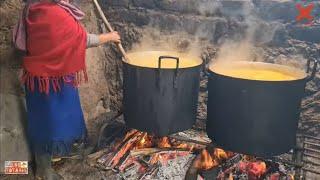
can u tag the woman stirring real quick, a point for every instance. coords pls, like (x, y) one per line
(55, 43)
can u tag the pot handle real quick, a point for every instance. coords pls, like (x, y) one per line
(168, 57)
(314, 69)
(176, 70)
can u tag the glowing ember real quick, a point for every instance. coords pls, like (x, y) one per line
(253, 169)
(164, 143)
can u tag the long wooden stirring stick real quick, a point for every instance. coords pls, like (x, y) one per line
(109, 27)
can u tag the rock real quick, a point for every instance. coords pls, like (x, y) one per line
(13, 139)
(272, 10)
(115, 3)
(305, 33)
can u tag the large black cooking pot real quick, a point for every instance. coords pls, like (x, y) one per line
(255, 117)
(160, 100)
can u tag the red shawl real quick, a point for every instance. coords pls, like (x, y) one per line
(56, 45)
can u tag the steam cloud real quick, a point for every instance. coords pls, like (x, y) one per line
(257, 32)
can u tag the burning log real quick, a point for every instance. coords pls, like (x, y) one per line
(164, 143)
(124, 149)
(144, 142)
(150, 151)
(128, 136)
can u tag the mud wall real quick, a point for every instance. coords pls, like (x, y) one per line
(98, 97)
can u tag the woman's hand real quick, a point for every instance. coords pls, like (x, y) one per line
(110, 37)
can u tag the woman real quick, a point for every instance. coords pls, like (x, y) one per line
(54, 65)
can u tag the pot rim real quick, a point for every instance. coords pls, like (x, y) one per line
(304, 75)
(165, 53)
(162, 69)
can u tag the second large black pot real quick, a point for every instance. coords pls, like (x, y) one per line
(160, 100)
(254, 117)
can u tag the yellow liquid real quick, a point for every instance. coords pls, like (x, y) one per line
(259, 71)
(258, 74)
(151, 59)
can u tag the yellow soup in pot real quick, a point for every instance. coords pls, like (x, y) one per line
(150, 59)
(259, 71)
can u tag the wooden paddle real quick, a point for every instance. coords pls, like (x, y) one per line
(109, 27)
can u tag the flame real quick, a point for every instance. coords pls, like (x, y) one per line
(206, 162)
(220, 154)
(185, 146)
(164, 143)
(127, 136)
(144, 142)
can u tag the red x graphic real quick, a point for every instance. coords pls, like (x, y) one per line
(305, 12)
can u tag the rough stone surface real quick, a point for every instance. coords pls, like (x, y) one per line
(13, 144)
(12, 129)
(95, 94)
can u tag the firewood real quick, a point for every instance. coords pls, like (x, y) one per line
(92, 158)
(149, 151)
(128, 136)
(189, 140)
(124, 149)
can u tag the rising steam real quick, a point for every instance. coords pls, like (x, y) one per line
(257, 32)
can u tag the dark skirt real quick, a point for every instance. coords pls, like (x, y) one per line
(55, 120)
